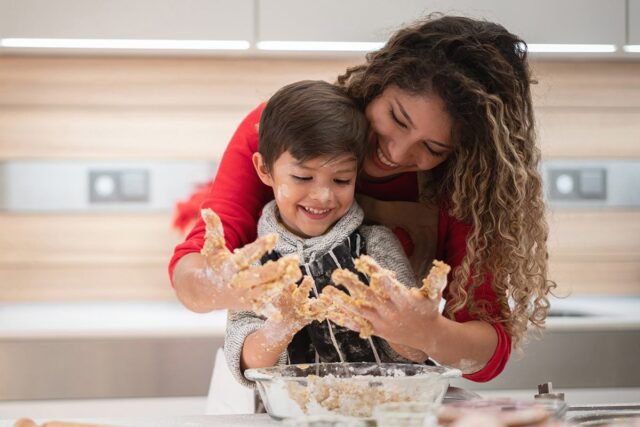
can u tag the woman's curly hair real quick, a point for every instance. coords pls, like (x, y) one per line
(491, 177)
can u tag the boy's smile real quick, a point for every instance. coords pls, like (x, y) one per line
(311, 195)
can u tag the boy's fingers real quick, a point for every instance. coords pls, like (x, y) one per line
(252, 252)
(318, 308)
(284, 270)
(212, 222)
(214, 249)
(255, 276)
(302, 292)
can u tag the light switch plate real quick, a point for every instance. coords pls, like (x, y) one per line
(595, 183)
(99, 186)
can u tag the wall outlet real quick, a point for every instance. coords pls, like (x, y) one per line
(118, 186)
(577, 183)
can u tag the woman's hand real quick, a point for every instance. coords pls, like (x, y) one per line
(386, 307)
(220, 279)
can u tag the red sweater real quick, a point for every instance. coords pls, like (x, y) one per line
(237, 195)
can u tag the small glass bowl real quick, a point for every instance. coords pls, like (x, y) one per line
(406, 414)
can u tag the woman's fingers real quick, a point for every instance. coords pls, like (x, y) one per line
(435, 282)
(252, 252)
(358, 290)
(348, 320)
(369, 266)
(339, 298)
(386, 285)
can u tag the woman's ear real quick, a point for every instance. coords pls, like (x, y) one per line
(261, 169)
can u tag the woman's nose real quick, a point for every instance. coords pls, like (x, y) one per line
(400, 151)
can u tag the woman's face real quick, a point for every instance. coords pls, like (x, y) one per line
(408, 133)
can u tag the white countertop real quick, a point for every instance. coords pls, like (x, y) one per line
(106, 319)
(252, 420)
(171, 319)
(604, 313)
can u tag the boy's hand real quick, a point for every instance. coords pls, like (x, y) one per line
(296, 307)
(294, 310)
(244, 285)
(386, 307)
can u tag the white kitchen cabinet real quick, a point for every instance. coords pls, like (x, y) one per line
(601, 22)
(634, 22)
(540, 21)
(550, 21)
(334, 20)
(125, 19)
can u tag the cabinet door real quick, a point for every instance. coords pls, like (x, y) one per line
(539, 21)
(334, 20)
(634, 23)
(127, 19)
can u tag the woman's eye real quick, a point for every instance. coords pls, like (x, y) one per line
(432, 151)
(342, 181)
(301, 178)
(395, 119)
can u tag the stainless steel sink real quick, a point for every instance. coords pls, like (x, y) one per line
(569, 313)
(604, 415)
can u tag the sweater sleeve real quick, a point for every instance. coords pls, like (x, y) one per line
(384, 247)
(452, 244)
(237, 195)
(241, 324)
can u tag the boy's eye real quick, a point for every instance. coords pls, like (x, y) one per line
(342, 181)
(395, 119)
(301, 178)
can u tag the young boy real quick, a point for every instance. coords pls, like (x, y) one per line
(312, 143)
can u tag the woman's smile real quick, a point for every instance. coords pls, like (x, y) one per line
(408, 133)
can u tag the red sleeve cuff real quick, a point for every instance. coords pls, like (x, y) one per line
(498, 361)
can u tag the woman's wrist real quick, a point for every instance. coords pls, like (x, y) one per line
(429, 336)
(467, 345)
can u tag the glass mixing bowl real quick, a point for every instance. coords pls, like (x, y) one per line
(349, 389)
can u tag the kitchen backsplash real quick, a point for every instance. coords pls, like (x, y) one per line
(142, 111)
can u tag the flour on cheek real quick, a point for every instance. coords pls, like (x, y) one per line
(282, 192)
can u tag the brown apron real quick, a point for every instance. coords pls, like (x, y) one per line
(419, 219)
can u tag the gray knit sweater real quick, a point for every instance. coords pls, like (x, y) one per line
(381, 244)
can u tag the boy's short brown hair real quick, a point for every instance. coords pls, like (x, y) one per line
(309, 119)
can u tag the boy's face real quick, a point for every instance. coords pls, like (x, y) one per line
(312, 195)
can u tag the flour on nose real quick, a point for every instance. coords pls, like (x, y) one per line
(321, 194)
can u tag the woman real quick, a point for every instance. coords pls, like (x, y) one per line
(452, 168)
